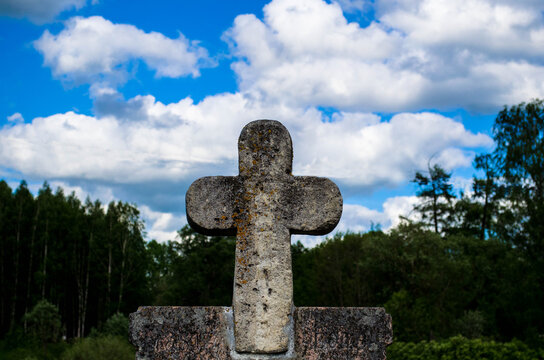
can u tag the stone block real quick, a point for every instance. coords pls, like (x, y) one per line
(193, 333)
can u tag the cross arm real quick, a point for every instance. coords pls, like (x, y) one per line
(314, 205)
(209, 203)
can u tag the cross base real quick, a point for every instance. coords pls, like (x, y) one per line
(176, 332)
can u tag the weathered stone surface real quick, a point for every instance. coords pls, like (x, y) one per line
(168, 333)
(164, 332)
(263, 206)
(342, 333)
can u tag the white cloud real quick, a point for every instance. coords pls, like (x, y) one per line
(143, 140)
(17, 117)
(95, 50)
(38, 11)
(102, 193)
(463, 184)
(161, 226)
(371, 153)
(358, 218)
(501, 28)
(146, 151)
(417, 54)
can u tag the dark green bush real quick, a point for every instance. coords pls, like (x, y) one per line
(100, 348)
(460, 348)
(29, 351)
(116, 325)
(18, 354)
(44, 322)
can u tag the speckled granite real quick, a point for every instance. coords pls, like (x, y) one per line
(168, 333)
(263, 206)
(342, 333)
(175, 332)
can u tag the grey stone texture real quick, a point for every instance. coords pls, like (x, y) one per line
(168, 333)
(263, 206)
(195, 333)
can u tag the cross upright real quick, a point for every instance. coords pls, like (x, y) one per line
(263, 206)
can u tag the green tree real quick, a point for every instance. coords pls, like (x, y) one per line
(519, 134)
(203, 273)
(116, 325)
(161, 260)
(6, 255)
(478, 213)
(305, 289)
(435, 193)
(488, 191)
(23, 215)
(519, 158)
(44, 323)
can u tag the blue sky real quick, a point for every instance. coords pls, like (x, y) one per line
(134, 100)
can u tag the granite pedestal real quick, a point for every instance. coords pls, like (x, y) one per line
(168, 333)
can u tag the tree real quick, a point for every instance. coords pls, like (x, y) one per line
(519, 157)
(519, 134)
(478, 213)
(161, 259)
(24, 207)
(486, 189)
(435, 193)
(116, 325)
(5, 254)
(203, 272)
(44, 322)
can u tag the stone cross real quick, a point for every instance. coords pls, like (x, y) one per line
(263, 206)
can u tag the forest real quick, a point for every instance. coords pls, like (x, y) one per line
(468, 274)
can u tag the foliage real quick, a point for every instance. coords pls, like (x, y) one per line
(18, 354)
(30, 349)
(519, 134)
(470, 325)
(116, 325)
(44, 322)
(88, 260)
(201, 273)
(460, 348)
(100, 348)
(519, 158)
(436, 194)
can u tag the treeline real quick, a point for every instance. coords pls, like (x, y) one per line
(434, 286)
(87, 259)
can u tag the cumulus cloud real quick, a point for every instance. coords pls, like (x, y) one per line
(417, 54)
(148, 152)
(499, 28)
(38, 11)
(97, 192)
(359, 218)
(370, 153)
(143, 140)
(17, 117)
(95, 50)
(161, 226)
